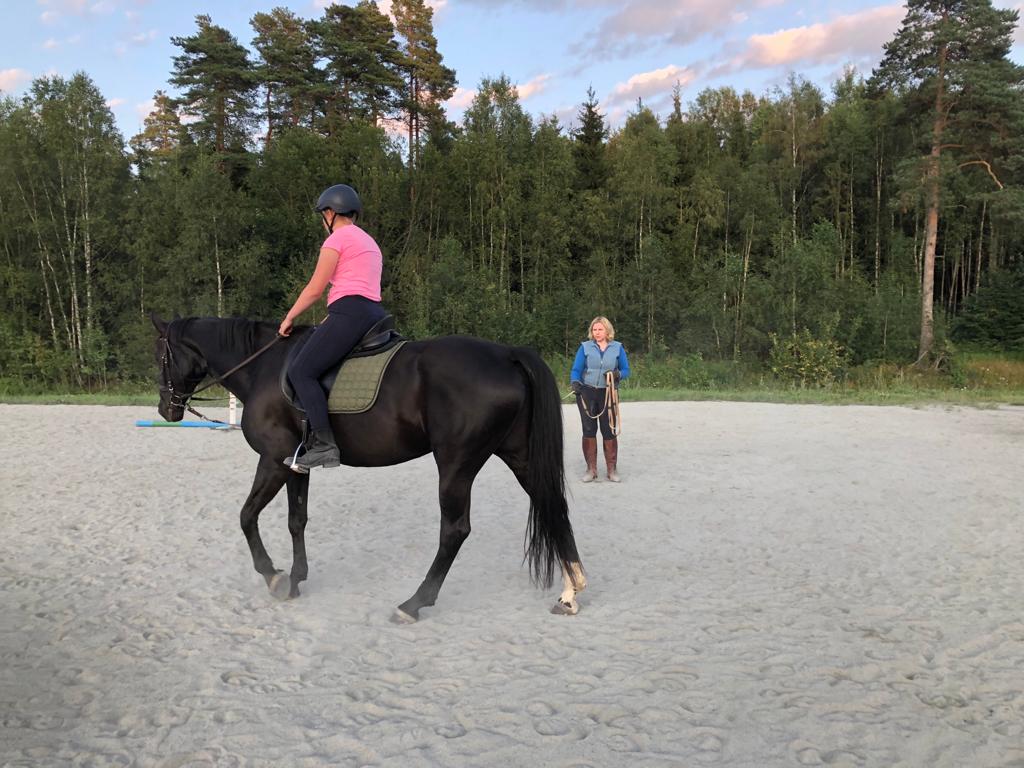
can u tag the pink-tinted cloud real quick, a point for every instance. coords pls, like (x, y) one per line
(117, 102)
(383, 5)
(144, 109)
(533, 87)
(461, 99)
(53, 43)
(855, 36)
(645, 85)
(640, 24)
(12, 80)
(1018, 34)
(57, 8)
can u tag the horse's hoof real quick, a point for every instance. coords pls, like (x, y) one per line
(401, 617)
(565, 609)
(280, 585)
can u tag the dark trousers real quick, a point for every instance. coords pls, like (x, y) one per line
(348, 320)
(593, 398)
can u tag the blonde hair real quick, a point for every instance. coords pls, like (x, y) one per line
(609, 329)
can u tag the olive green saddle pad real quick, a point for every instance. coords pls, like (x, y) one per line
(358, 382)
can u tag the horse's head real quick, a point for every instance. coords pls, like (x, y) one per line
(181, 368)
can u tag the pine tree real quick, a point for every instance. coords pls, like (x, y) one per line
(286, 68)
(362, 63)
(161, 132)
(589, 145)
(949, 62)
(428, 81)
(219, 85)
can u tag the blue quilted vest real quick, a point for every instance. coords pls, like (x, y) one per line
(599, 363)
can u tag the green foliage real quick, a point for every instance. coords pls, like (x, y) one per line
(806, 361)
(739, 237)
(994, 317)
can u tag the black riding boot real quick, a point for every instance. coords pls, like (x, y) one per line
(321, 451)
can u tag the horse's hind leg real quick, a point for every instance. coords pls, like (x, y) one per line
(270, 476)
(455, 487)
(298, 495)
(574, 578)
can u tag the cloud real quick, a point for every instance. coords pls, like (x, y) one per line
(11, 80)
(1018, 33)
(640, 24)
(533, 87)
(461, 99)
(60, 7)
(53, 43)
(383, 5)
(144, 37)
(655, 83)
(48, 17)
(542, 5)
(144, 109)
(111, 103)
(854, 36)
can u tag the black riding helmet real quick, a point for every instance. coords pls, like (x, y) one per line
(341, 199)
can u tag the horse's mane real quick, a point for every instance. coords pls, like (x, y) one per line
(248, 334)
(238, 333)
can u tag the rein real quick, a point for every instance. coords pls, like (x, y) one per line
(611, 404)
(182, 401)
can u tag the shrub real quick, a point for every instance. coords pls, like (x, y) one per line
(806, 361)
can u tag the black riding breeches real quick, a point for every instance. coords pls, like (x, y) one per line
(593, 399)
(348, 320)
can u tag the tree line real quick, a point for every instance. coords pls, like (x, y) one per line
(869, 221)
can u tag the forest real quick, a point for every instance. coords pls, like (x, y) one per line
(797, 233)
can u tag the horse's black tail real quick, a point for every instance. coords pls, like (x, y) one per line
(549, 538)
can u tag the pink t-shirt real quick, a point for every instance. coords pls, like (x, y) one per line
(359, 264)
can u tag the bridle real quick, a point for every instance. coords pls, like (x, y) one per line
(181, 400)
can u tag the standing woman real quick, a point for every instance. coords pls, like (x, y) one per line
(596, 357)
(351, 262)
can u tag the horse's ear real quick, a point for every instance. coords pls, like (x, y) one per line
(159, 324)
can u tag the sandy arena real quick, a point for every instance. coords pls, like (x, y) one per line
(770, 585)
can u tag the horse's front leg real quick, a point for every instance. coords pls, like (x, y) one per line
(271, 474)
(298, 495)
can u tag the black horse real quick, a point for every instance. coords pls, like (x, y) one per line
(460, 398)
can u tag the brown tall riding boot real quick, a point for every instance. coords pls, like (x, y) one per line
(590, 454)
(611, 458)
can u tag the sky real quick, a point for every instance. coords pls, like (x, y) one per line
(553, 50)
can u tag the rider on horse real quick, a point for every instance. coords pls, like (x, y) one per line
(350, 262)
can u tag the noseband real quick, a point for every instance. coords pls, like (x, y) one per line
(176, 399)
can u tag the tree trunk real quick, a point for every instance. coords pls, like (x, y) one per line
(927, 341)
(743, 291)
(794, 180)
(878, 213)
(981, 241)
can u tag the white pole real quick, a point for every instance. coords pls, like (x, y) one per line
(232, 404)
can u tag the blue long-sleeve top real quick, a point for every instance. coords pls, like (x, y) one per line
(591, 364)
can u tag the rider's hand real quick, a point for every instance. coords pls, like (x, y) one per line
(576, 387)
(617, 374)
(286, 327)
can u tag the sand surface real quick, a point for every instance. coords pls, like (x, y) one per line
(770, 585)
